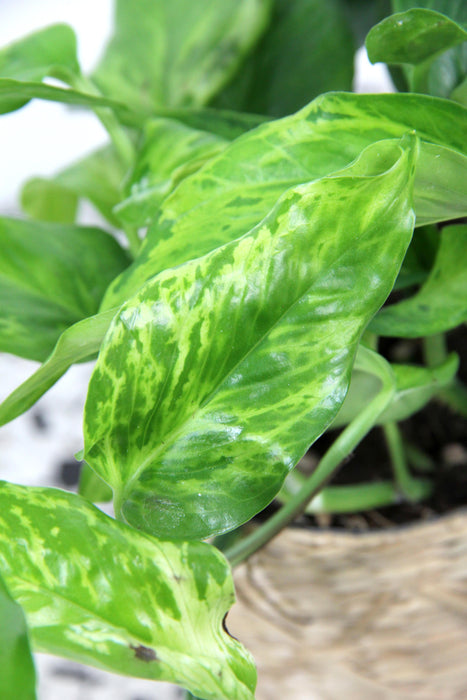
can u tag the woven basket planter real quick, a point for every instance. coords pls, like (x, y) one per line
(377, 616)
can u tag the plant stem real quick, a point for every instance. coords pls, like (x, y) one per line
(342, 446)
(435, 349)
(134, 241)
(413, 489)
(117, 133)
(435, 352)
(354, 498)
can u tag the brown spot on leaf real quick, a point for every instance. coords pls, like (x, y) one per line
(144, 653)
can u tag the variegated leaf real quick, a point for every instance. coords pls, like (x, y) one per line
(232, 193)
(170, 152)
(99, 592)
(213, 381)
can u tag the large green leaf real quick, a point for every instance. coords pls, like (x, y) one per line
(415, 387)
(48, 52)
(98, 178)
(51, 276)
(78, 343)
(441, 303)
(177, 53)
(441, 71)
(169, 152)
(285, 71)
(17, 675)
(216, 377)
(99, 592)
(233, 192)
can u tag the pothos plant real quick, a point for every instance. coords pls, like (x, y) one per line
(261, 245)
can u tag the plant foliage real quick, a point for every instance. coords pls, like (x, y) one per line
(269, 213)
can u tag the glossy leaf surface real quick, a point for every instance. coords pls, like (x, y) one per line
(440, 73)
(99, 592)
(170, 152)
(214, 380)
(415, 387)
(441, 303)
(17, 675)
(97, 178)
(413, 37)
(78, 343)
(232, 193)
(49, 52)
(92, 487)
(44, 294)
(286, 70)
(178, 53)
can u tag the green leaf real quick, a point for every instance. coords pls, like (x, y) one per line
(43, 294)
(47, 200)
(440, 73)
(101, 593)
(170, 152)
(78, 343)
(92, 487)
(49, 52)
(441, 303)
(178, 53)
(216, 377)
(98, 178)
(17, 675)
(234, 191)
(413, 37)
(285, 71)
(415, 387)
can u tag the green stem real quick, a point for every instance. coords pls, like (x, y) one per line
(435, 352)
(435, 349)
(413, 489)
(342, 446)
(134, 241)
(117, 133)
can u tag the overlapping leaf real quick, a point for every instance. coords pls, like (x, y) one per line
(213, 381)
(232, 193)
(441, 302)
(78, 343)
(99, 592)
(415, 387)
(51, 276)
(98, 178)
(48, 52)
(285, 71)
(178, 53)
(413, 37)
(17, 675)
(430, 36)
(170, 152)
